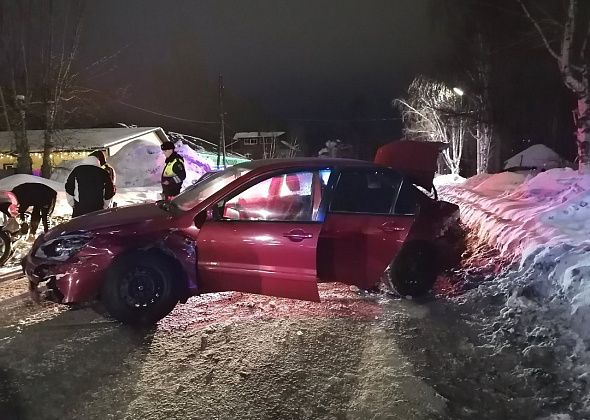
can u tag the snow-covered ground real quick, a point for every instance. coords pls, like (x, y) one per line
(541, 224)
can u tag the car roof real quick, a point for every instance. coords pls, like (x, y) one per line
(269, 164)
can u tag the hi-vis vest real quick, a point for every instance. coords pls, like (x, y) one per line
(169, 168)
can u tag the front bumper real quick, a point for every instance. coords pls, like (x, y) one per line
(73, 281)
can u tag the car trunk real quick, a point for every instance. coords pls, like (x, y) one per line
(415, 159)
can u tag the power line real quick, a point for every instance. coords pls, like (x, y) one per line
(149, 111)
(160, 114)
(351, 120)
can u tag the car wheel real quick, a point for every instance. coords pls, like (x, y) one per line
(414, 269)
(139, 288)
(5, 247)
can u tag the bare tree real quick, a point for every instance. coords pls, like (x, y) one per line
(14, 47)
(59, 79)
(39, 45)
(479, 107)
(567, 42)
(434, 112)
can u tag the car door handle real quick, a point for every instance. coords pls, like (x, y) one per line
(390, 227)
(297, 235)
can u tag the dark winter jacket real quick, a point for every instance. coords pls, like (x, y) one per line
(90, 186)
(34, 194)
(172, 175)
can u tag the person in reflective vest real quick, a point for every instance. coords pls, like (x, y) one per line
(174, 173)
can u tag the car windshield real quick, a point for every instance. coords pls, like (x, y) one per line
(207, 187)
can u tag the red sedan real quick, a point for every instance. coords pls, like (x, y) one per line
(275, 227)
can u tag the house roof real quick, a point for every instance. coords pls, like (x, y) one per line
(257, 134)
(79, 139)
(536, 156)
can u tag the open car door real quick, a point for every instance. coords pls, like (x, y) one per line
(264, 239)
(370, 215)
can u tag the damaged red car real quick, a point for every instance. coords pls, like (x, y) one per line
(273, 227)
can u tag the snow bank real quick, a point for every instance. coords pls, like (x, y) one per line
(499, 183)
(448, 179)
(514, 213)
(140, 164)
(543, 225)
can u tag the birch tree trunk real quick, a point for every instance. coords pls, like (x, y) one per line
(574, 67)
(24, 163)
(583, 132)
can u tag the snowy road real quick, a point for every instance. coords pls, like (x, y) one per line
(233, 356)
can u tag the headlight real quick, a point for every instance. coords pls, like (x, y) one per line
(62, 248)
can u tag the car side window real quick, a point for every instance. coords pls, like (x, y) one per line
(366, 191)
(286, 197)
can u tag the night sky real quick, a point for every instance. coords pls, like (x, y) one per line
(281, 60)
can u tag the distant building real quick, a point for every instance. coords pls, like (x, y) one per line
(72, 144)
(258, 144)
(537, 157)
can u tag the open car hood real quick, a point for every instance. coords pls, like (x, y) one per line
(414, 159)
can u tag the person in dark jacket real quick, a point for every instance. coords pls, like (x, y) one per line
(173, 173)
(32, 194)
(89, 187)
(39, 196)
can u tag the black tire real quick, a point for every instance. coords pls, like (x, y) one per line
(5, 247)
(414, 269)
(140, 288)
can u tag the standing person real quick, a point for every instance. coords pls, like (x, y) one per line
(89, 187)
(99, 154)
(39, 196)
(173, 173)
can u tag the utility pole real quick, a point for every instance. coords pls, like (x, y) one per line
(221, 144)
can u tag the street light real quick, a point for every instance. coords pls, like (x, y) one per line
(458, 91)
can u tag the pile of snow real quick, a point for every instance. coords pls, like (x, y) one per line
(448, 179)
(514, 213)
(543, 225)
(538, 156)
(499, 183)
(140, 163)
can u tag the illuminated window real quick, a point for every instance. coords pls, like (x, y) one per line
(287, 197)
(250, 142)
